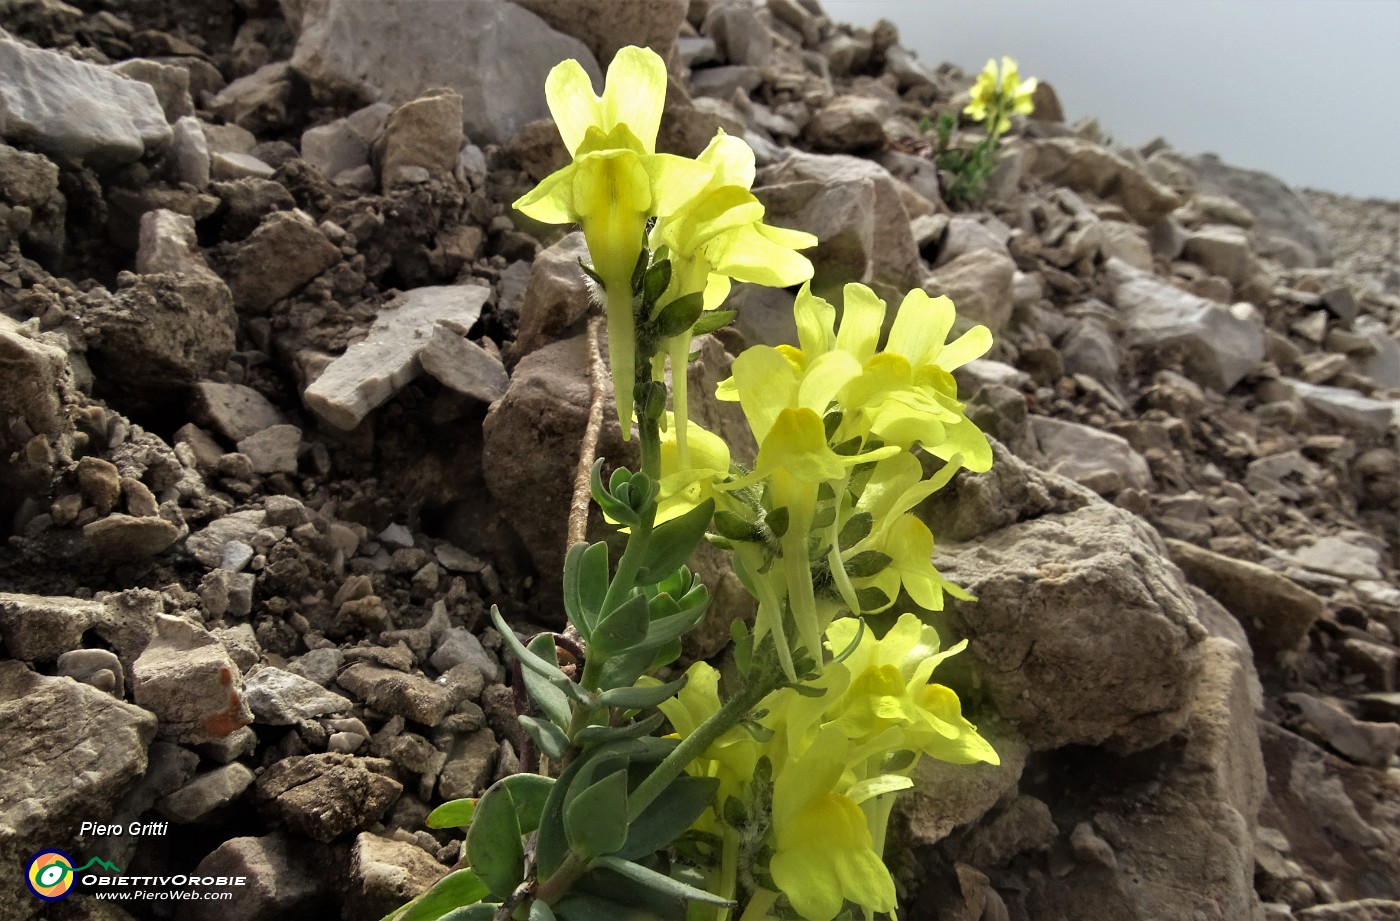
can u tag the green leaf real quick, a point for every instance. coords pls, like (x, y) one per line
(824, 518)
(623, 670)
(591, 736)
(528, 794)
(743, 645)
(573, 599)
(658, 277)
(481, 911)
(734, 527)
(713, 320)
(539, 911)
(596, 820)
(777, 521)
(494, 848)
(455, 813)
(659, 881)
(639, 270)
(872, 599)
(635, 698)
(455, 890)
(588, 270)
(553, 703)
(549, 737)
(622, 628)
(679, 315)
(669, 815)
(856, 529)
(673, 542)
(527, 658)
(845, 654)
(614, 508)
(868, 563)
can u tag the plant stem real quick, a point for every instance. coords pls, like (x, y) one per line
(694, 745)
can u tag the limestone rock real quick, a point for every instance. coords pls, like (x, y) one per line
(281, 698)
(123, 538)
(373, 370)
(848, 124)
(207, 544)
(555, 298)
(464, 366)
(980, 285)
(855, 208)
(168, 245)
(1346, 406)
(1221, 250)
(1276, 612)
(285, 878)
(1101, 461)
(282, 255)
(410, 696)
(344, 144)
(1087, 167)
(739, 33)
(384, 874)
(38, 629)
(206, 793)
(186, 678)
(77, 112)
(608, 25)
(67, 752)
(326, 796)
(1216, 347)
(234, 411)
(495, 55)
(1281, 216)
(1360, 910)
(1082, 632)
(424, 134)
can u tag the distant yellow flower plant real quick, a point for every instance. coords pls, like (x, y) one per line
(999, 94)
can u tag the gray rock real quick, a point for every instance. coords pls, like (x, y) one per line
(739, 33)
(496, 55)
(283, 879)
(724, 81)
(1087, 167)
(227, 165)
(1276, 612)
(980, 285)
(1101, 461)
(186, 678)
(556, 297)
(37, 628)
(68, 752)
(459, 645)
(1090, 349)
(424, 134)
(168, 245)
(77, 112)
(1370, 744)
(1360, 910)
(170, 82)
(124, 538)
(344, 144)
(326, 796)
(1217, 348)
(161, 333)
(207, 545)
(282, 255)
(1281, 215)
(373, 370)
(855, 209)
(96, 667)
(282, 698)
(948, 796)
(274, 449)
(1184, 850)
(385, 874)
(1337, 556)
(1383, 365)
(411, 696)
(469, 766)
(233, 410)
(1083, 633)
(1221, 250)
(965, 234)
(1345, 406)
(258, 102)
(848, 124)
(608, 25)
(464, 366)
(206, 794)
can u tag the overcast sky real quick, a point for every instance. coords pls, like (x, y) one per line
(1308, 90)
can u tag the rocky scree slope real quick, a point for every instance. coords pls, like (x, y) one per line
(290, 396)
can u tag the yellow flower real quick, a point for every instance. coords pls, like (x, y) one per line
(718, 235)
(615, 184)
(998, 96)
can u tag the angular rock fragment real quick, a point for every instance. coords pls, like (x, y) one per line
(326, 796)
(282, 255)
(185, 677)
(373, 370)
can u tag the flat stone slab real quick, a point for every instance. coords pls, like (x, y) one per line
(373, 370)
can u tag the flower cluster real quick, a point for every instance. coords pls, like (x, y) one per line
(705, 223)
(824, 519)
(996, 96)
(803, 813)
